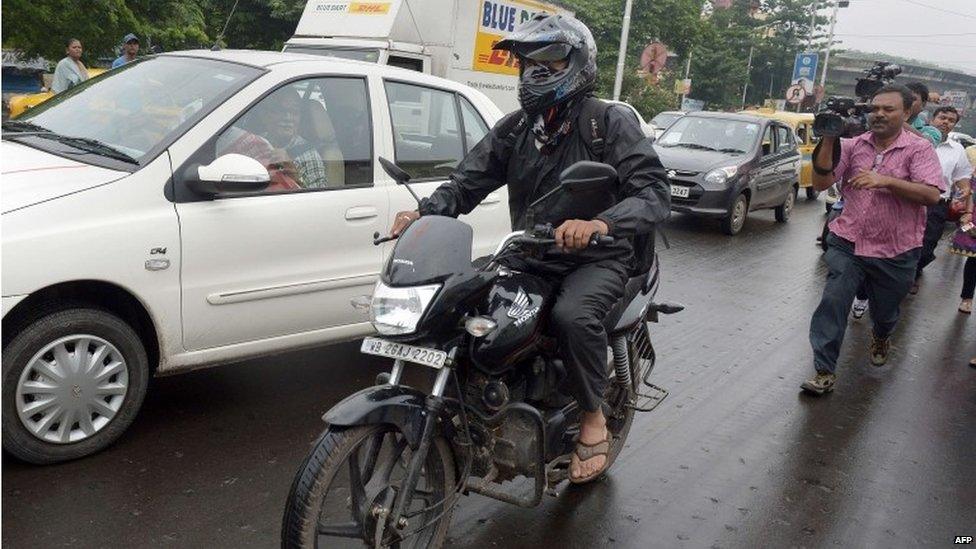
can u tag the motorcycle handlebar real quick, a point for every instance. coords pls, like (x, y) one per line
(545, 234)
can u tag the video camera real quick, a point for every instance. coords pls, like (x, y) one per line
(846, 116)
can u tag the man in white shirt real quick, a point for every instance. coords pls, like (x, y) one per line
(955, 169)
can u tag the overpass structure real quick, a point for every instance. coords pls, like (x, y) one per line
(846, 67)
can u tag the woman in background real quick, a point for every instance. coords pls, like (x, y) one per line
(70, 71)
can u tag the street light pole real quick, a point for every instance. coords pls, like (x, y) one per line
(622, 55)
(830, 43)
(687, 72)
(745, 88)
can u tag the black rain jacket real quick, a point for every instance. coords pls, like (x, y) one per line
(630, 207)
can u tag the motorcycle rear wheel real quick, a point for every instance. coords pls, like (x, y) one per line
(349, 473)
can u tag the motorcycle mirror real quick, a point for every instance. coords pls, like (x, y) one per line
(586, 176)
(398, 175)
(394, 171)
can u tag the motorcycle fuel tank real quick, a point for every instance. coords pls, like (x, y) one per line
(518, 304)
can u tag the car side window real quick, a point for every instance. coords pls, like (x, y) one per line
(426, 131)
(292, 132)
(475, 128)
(784, 141)
(767, 141)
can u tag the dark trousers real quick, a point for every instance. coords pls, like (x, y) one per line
(934, 227)
(585, 297)
(888, 282)
(969, 278)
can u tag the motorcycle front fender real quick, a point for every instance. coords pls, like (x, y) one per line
(397, 405)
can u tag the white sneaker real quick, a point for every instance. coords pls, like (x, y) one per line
(859, 308)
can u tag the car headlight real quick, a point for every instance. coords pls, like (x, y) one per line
(396, 311)
(719, 176)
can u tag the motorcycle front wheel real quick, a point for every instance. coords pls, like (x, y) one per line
(351, 476)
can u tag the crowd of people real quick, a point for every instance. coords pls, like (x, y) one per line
(901, 181)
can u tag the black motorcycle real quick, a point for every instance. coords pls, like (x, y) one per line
(394, 460)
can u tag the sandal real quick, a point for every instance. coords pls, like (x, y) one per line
(585, 452)
(966, 306)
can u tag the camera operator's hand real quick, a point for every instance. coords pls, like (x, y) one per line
(870, 180)
(575, 234)
(402, 221)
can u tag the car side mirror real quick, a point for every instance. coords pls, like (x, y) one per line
(586, 176)
(230, 173)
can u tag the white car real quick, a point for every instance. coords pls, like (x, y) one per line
(196, 208)
(648, 129)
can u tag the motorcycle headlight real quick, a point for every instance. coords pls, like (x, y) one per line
(718, 176)
(396, 311)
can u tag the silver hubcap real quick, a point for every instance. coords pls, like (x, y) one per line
(738, 214)
(72, 389)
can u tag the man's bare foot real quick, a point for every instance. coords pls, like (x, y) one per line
(593, 431)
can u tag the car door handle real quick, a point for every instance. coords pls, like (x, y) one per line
(361, 212)
(493, 198)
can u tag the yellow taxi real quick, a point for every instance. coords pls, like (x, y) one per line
(20, 103)
(802, 124)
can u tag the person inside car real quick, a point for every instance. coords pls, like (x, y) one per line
(269, 134)
(527, 150)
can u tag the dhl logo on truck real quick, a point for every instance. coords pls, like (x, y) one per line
(358, 8)
(496, 19)
(369, 7)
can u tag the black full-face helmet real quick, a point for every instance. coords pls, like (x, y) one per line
(546, 38)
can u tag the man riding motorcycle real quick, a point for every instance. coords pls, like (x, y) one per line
(527, 150)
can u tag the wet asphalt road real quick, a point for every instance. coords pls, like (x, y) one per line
(735, 457)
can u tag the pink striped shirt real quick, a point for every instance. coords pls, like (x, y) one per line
(879, 223)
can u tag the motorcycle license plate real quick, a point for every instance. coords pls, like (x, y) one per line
(679, 191)
(389, 349)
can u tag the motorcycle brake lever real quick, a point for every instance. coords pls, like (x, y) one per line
(377, 240)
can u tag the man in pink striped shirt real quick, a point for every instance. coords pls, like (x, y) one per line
(888, 176)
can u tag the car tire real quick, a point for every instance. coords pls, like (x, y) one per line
(733, 222)
(784, 210)
(43, 364)
(812, 193)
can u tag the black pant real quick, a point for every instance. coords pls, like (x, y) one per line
(969, 278)
(585, 297)
(934, 227)
(888, 281)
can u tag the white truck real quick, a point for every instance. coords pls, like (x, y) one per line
(447, 38)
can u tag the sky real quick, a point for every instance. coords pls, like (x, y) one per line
(942, 32)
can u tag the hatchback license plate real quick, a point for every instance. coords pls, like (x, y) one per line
(679, 191)
(389, 349)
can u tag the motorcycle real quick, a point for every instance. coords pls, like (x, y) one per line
(394, 460)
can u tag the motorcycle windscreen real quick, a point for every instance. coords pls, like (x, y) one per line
(430, 250)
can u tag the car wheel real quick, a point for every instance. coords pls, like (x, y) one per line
(736, 218)
(812, 193)
(784, 210)
(73, 381)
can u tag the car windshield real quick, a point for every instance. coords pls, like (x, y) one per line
(369, 55)
(133, 112)
(665, 119)
(717, 134)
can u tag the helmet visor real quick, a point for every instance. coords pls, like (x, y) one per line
(543, 52)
